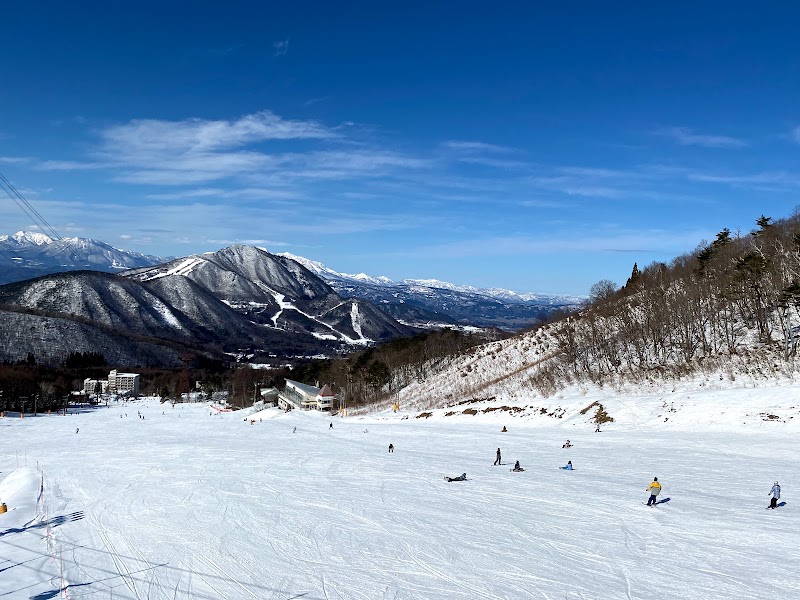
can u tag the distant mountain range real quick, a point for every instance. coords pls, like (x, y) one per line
(240, 300)
(426, 303)
(429, 302)
(27, 254)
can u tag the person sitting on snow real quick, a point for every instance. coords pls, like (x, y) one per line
(567, 444)
(517, 468)
(568, 466)
(462, 477)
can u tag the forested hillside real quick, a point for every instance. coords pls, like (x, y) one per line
(729, 308)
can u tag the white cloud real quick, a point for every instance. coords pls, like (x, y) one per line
(197, 151)
(281, 47)
(796, 134)
(149, 136)
(686, 137)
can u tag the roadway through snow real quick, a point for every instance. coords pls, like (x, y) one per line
(186, 504)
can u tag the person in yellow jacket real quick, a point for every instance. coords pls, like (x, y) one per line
(655, 490)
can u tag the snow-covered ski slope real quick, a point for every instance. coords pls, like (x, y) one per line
(186, 504)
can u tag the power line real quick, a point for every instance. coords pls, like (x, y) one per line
(34, 215)
(26, 206)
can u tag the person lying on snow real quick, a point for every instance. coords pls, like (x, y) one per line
(517, 468)
(462, 477)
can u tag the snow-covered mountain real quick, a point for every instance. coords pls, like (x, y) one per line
(240, 299)
(278, 293)
(27, 254)
(430, 301)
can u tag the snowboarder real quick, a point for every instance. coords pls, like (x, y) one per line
(497, 460)
(517, 468)
(391, 447)
(77, 430)
(655, 490)
(504, 430)
(775, 492)
(462, 477)
(568, 466)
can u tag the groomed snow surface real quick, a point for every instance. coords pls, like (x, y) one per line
(189, 504)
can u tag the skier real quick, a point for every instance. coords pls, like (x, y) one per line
(462, 477)
(294, 430)
(568, 466)
(504, 430)
(655, 490)
(517, 468)
(330, 426)
(567, 444)
(391, 447)
(497, 460)
(775, 492)
(77, 430)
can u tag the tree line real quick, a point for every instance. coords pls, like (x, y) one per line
(377, 373)
(733, 300)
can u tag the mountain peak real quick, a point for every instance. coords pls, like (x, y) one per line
(29, 237)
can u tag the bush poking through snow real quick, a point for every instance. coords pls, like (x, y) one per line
(601, 416)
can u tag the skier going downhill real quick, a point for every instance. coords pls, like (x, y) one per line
(655, 490)
(775, 492)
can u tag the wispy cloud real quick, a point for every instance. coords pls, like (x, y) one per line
(312, 101)
(196, 151)
(498, 163)
(652, 241)
(200, 135)
(68, 165)
(687, 137)
(796, 134)
(476, 146)
(281, 47)
(243, 193)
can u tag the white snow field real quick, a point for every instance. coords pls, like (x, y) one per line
(183, 504)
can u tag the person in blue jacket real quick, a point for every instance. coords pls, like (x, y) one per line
(568, 466)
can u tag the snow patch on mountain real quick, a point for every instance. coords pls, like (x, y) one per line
(27, 237)
(183, 268)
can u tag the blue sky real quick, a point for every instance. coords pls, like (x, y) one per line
(532, 146)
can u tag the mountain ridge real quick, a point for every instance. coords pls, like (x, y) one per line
(425, 303)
